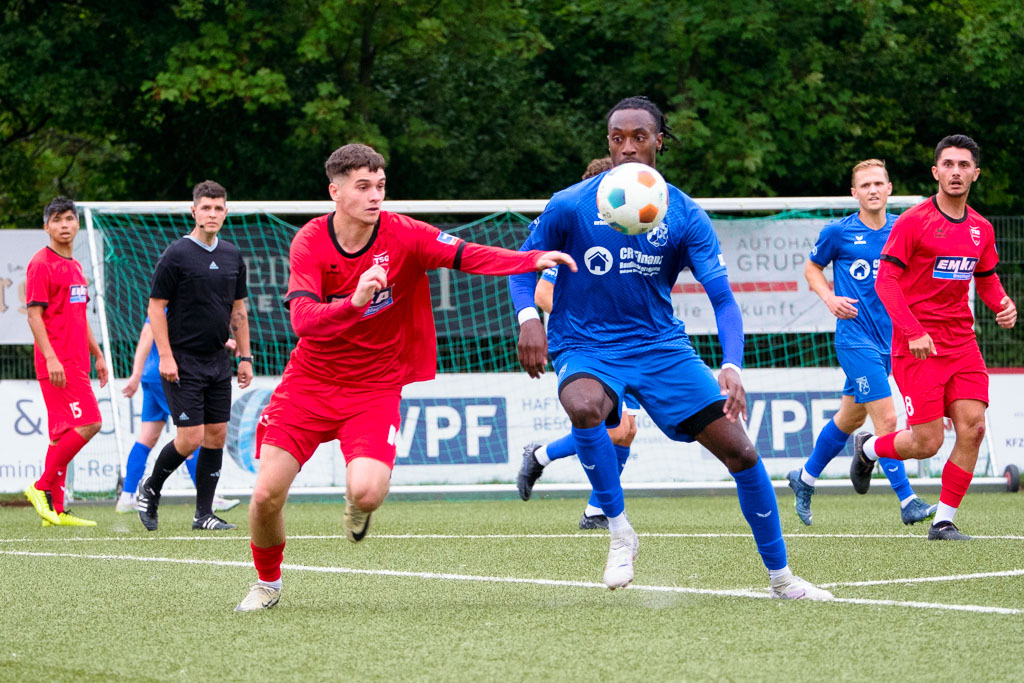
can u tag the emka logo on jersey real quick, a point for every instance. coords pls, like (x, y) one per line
(79, 294)
(381, 300)
(954, 267)
(976, 235)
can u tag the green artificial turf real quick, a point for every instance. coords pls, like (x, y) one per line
(109, 617)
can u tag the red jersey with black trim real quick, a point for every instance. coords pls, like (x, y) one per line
(391, 340)
(939, 255)
(58, 285)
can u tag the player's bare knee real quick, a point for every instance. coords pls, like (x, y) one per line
(973, 434)
(739, 459)
(885, 426)
(926, 445)
(367, 497)
(90, 430)
(265, 501)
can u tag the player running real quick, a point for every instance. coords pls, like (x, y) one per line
(934, 251)
(155, 411)
(537, 456)
(360, 304)
(863, 337)
(56, 295)
(614, 331)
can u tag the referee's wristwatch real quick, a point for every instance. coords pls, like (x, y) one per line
(245, 359)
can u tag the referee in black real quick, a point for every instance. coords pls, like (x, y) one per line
(200, 281)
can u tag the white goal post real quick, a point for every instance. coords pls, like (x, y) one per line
(568, 478)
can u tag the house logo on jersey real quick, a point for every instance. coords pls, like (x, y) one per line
(383, 260)
(658, 236)
(598, 260)
(381, 300)
(954, 267)
(976, 235)
(78, 294)
(863, 386)
(860, 269)
(859, 239)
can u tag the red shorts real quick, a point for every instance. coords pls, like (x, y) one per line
(305, 412)
(930, 385)
(73, 405)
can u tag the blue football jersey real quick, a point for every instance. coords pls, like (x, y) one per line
(151, 370)
(619, 302)
(854, 251)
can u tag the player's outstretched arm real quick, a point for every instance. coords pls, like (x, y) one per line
(841, 307)
(550, 259)
(310, 317)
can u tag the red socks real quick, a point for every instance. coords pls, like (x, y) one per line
(955, 481)
(268, 561)
(885, 446)
(58, 457)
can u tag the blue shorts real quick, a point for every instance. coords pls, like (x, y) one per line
(673, 386)
(154, 403)
(867, 374)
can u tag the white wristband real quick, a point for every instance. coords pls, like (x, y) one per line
(733, 366)
(528, 314)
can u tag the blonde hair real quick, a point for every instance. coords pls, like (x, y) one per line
(866, 164)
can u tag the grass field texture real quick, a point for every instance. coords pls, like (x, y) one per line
(505, 590)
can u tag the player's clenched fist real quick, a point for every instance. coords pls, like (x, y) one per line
(370, 282)
(1008, 316)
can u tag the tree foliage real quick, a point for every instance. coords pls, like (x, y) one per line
(126, 100)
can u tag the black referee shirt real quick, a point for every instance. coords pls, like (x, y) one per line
(200, 287)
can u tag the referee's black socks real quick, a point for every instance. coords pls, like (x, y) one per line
(207, 476)
(168, 461)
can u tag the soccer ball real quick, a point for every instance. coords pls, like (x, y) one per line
(632, 198)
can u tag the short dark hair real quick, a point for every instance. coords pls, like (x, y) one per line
(961, 142)
(57, 206)
(210, 189)
(350, 157)
(641, 102)
(597, 167)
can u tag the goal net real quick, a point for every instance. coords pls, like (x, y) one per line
(469, 426)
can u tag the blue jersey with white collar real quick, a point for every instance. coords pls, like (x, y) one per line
(854, 250)
(619, 302)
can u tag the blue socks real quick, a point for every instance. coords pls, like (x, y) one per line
(830, 441)
(761, 510)
(561, 448)
(622, 453)
(896, 473)
(597, 455)
(136, 467)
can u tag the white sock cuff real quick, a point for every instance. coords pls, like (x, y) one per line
(618, 523)
(944, 513)
(807, 479)
(869, 448)
(541, 454)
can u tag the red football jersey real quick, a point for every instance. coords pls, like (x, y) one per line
(391, 341)
(939, 256)
(58, 285)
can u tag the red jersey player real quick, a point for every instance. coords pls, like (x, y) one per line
(933, 252)
(360, 303)
(57, 295)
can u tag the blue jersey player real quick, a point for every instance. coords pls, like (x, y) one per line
(853, 246)
(612, 331)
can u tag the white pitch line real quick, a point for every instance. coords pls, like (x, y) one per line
(739, 593)
(927, 579)
(86, 539)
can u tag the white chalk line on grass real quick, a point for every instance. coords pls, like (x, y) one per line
(738, 593)
(926, 579)
(499, 537)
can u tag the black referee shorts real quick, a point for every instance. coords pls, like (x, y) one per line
(202, 394)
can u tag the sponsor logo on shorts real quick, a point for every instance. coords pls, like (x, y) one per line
(954, 267)
(79, 294)
(862, 385)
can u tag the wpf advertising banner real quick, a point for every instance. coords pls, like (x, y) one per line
(471, 429)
